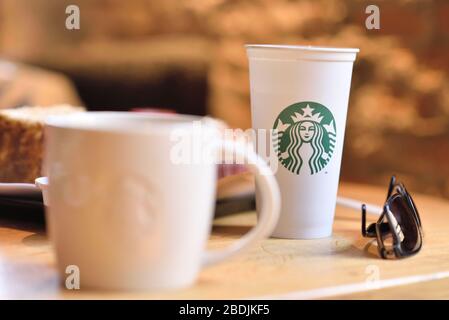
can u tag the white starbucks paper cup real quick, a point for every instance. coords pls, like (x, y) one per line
(302, 93)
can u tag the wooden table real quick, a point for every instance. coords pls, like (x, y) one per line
(343, 266)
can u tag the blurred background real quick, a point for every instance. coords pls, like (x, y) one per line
(188, 56)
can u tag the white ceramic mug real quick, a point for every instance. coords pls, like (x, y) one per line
(126, 214)
(301, 93)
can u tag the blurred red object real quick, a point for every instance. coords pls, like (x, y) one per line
(225, 170)
(153, 110)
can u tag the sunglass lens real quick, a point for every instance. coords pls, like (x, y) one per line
(406, 224)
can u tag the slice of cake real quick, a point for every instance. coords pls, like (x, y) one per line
(21, 141)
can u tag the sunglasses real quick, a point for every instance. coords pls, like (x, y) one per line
(398, 230)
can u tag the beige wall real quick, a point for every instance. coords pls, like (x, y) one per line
(399, 109)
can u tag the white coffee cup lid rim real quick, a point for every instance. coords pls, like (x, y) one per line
(302, 48)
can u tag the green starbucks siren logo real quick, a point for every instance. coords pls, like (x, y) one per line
(305, 132)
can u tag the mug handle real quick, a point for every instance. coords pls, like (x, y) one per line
(269, 209)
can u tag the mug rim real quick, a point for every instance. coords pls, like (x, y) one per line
(96, 121)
